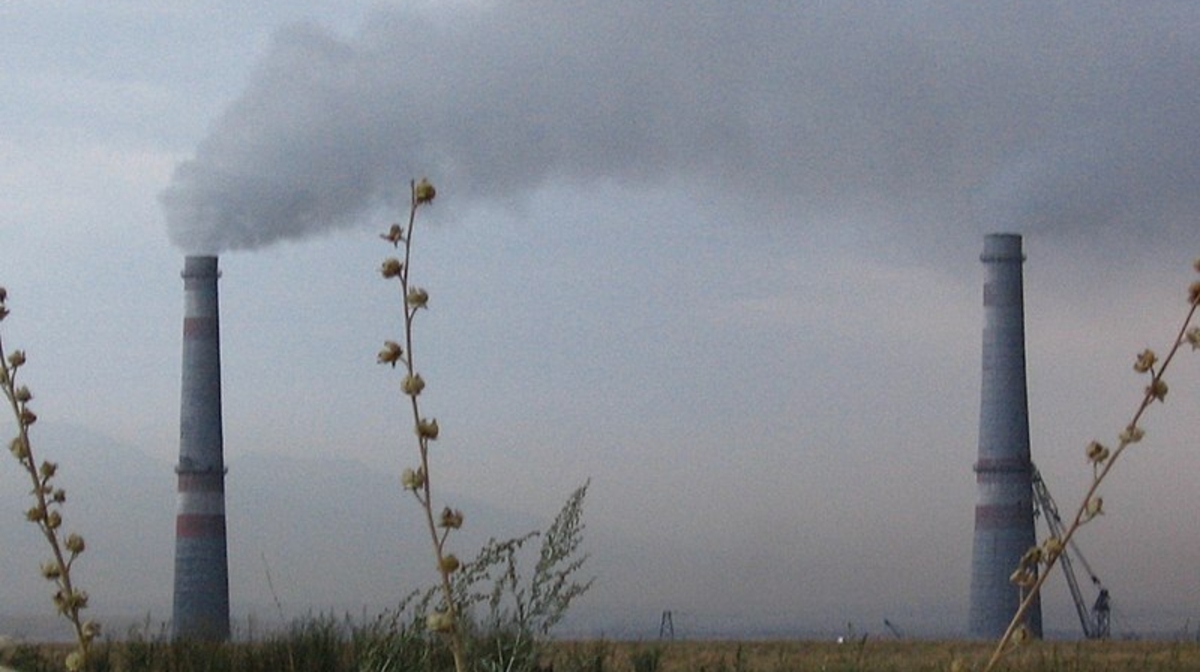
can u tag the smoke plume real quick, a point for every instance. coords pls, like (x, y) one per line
(1022, 115)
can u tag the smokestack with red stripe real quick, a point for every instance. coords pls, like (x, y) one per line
(1003, 475)
(201, 606)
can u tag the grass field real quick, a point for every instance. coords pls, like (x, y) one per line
(309, 652)
(871, 655)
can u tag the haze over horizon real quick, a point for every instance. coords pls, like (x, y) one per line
(723, 260)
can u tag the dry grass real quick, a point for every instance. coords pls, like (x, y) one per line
(322, 648)
(881, 656)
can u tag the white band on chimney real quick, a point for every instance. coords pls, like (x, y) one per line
(201, 503)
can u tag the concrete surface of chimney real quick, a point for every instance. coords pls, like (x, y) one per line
(1003, 473)
(201, 603)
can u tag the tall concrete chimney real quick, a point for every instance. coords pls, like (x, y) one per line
(1004, 515)
(201, 607)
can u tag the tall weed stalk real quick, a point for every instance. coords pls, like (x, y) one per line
(445, 619)
(47, 509)
(518, 613)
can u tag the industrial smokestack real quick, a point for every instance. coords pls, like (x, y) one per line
(1004, 515)
(201, 607)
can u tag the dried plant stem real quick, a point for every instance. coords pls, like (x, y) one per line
(1130, 435)
(413, 299)
(46, 512)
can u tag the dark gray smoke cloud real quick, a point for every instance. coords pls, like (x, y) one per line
(1021, 115)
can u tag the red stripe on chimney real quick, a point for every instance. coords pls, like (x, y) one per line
(192, 525)
(202, 482)
(199, 327)
(998, 516)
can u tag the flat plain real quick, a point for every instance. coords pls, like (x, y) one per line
(871, 656)
(313, 654)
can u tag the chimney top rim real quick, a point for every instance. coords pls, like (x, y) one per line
(200, 266)
(1002, 247)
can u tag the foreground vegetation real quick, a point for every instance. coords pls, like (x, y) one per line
(329, 645)
(878, 656)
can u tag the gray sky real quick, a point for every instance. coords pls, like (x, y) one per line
(722, 259)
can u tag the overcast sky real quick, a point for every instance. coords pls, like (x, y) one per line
(721, 258)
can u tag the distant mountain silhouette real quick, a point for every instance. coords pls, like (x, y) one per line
(333, 535)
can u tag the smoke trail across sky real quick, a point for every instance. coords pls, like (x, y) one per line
(722, 258)
(1025, 115)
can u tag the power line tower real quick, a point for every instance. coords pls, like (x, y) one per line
(666, 626)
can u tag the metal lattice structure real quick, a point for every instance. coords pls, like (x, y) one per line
(1095, 621)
